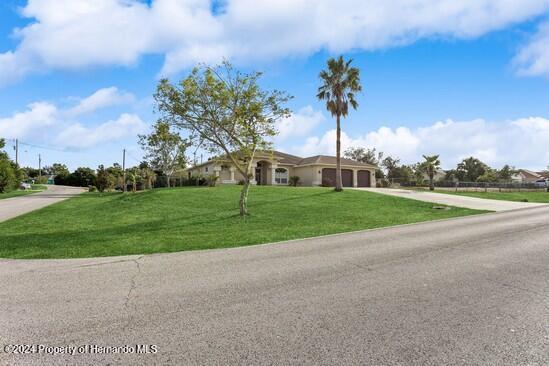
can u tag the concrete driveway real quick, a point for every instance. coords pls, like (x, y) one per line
(455, 200)
(466, 291)
(16, 206)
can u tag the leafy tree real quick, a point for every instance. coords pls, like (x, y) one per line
(470, 169)
(339, 85)
(148, 176)
(226, 112)
(81, 177)
(133, 177)
(506, 173)
(104, 181)
(489, 176)
(418, 174)
(165, 150)
(391, 165)
(10, 174)
(368, 156)
(430, 167)
(30, 172)
(55, 169)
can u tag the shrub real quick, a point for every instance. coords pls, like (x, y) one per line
(293, 180)
(8, 176)
(104, 180)
(241, 182)
(92, 189)
(212, 180)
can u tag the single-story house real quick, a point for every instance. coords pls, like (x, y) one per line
(526, 176)
(275, 168)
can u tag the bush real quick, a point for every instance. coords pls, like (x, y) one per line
(92, 189)
(8, 176)
(293, 181)
(105, 180)
(212, 180)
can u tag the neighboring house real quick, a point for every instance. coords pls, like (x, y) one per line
(275, 168)
(525, 176)
(439, 175)
(544, 174)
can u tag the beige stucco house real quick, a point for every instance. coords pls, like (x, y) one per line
(275, 168)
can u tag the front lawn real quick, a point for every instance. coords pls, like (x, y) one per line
(34, 188)
(539, 196)
(169, 220)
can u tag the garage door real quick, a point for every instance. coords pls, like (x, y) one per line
(329, 174)
(363, 178)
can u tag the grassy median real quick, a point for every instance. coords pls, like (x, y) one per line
(177, 219)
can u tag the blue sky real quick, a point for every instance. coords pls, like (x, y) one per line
(456, 80)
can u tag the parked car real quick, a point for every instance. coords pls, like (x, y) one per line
(24, 186)
(542, 183)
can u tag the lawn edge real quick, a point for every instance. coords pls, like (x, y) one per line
(133, 256)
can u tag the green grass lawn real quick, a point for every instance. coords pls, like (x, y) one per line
(34, 188)
(541, 197)
(169, 220)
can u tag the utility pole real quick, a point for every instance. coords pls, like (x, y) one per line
(39, 167)
(17, 152)
(124, 168)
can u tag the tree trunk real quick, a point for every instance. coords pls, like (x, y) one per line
(338, 186)
(168, 180)
(244, 198)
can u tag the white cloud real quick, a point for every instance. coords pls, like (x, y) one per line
(79, 136)
(117, 32)
(46, 121)
(299, 124)
(38, 116)
(102, 98)
(521, 142)
(533, 58)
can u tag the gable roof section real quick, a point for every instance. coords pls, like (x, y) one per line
(284, 158)
(330, 160)
(529, 173)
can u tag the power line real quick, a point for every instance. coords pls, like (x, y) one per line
(44, 147)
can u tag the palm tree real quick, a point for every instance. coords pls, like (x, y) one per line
(149, 176)
(431, 165)
(339, 85)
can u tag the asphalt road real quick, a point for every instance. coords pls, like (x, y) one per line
(474, 203)
(467, 291)
(16, 206)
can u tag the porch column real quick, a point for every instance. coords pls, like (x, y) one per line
(355, 178)
(231, 169)
(373, 178)
(217, 170)
(273, 173)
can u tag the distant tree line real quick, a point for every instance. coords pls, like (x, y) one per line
(424, 172)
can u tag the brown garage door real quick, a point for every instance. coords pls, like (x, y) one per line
(329, 174)
(363, 178)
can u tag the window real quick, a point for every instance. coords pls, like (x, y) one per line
(281, 176)
(206, 169)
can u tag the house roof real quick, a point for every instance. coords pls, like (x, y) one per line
(284, 158)
(325, 159)
(530, 173)
(544, 174)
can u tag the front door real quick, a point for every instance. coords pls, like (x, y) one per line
(258, 175)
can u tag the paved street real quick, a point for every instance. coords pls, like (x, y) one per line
(467, 291)
(455, 200)
(16, 206)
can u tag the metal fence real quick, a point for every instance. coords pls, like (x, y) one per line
(464, 186)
